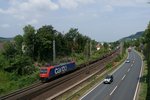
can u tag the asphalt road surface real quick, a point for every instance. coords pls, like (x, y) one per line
(124, 85)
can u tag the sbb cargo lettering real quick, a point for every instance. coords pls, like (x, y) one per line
(60, 70)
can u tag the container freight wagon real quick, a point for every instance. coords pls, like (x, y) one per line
(49, 72)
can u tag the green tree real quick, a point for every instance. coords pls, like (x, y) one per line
(61, 49)
(75, 41)
(22, 65)
(147, 56)
(18, 43)
(9, 50)
(105, 45)
(29, 40)
(81, 41)
(3, 61)
(127, 44)
(44, 39)
(147, 43)
(94, 44)
(70, 37)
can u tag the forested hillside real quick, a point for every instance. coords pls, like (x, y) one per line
(134, 36)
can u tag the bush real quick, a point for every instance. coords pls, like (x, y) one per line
(118, 58)
(109, 65)
(1, 90)
(11, 81)
(23, 65)
(3, 61)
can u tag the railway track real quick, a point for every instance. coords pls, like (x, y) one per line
(37, 89)
(20, 91)
(97, 67)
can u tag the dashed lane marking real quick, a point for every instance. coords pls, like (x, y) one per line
(113, 90)
(123, 77)
(128, 69)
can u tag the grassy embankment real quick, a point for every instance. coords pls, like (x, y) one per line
(10, 82)
(143, 89)
(143, 83)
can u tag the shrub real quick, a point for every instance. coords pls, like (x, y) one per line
(22, 65)
(118, 58)
(109, 65)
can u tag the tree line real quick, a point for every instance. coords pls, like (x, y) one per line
(146, 42)
(37, 46)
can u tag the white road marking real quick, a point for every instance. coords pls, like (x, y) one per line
(128, 69)
(123, 77)
(113, 90)
(131, 65)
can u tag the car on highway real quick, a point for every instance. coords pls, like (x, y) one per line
(108, 79)
(127, 61)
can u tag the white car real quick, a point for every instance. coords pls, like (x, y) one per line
(127, 61)
(108, 79)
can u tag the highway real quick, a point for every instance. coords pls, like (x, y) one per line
(124, 85)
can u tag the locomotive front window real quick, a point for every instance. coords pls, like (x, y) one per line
(43, 71)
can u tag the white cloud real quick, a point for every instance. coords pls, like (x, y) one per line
(5, 25)
(33, 21)
(127, 3)
(38, 5)
(22, 9)
(27, 8)
(8, 11)
(72, 4)
(108, 8)
(95, 15)
(1, 10)
(68, 4)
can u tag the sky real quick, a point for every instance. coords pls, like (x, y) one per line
(102, 20)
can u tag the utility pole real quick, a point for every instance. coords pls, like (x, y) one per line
(54, 52)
